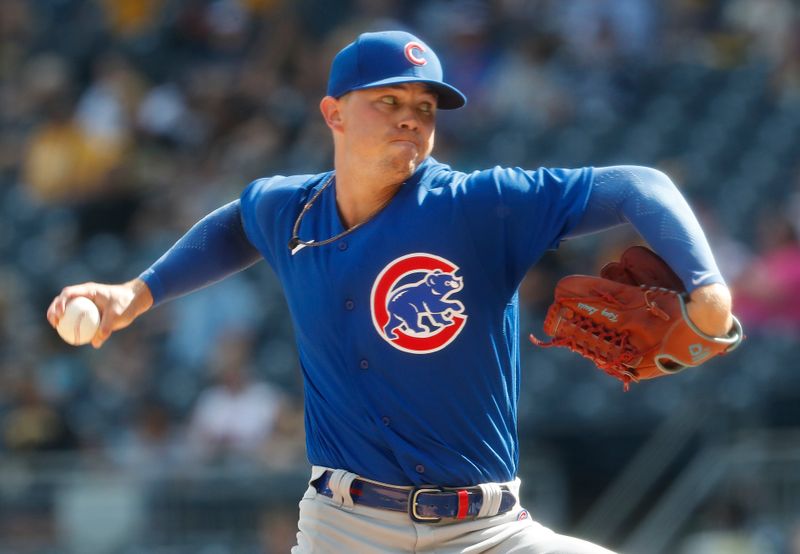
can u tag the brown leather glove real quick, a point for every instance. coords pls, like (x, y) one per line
(631, 321)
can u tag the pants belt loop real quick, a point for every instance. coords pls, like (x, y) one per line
(492, 497)
(340, 483)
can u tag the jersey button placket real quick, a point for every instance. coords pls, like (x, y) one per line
(420, 468)
(349, 305)
(342, 246)
(363, 364)
(386, 421)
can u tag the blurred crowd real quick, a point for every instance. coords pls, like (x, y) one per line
(125, 121)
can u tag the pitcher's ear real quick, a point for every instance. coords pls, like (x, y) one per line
(331, 112)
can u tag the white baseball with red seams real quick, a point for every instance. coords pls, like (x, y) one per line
(80, 321)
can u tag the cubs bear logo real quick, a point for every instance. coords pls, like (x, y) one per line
(411, 303)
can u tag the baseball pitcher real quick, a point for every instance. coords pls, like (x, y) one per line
(401, 276)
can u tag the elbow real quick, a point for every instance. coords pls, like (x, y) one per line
(647, 183)
(650, 177)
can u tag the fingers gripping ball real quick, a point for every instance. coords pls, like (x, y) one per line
(80, 321)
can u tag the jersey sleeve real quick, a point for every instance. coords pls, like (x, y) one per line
(526, 212)
(266, 207)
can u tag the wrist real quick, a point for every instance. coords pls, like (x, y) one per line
(142, 296)
(709, 309)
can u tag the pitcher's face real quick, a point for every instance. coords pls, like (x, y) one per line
(392, 127)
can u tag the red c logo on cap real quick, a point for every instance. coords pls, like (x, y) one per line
(411, 56)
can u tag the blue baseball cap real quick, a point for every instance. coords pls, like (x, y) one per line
(388, 58)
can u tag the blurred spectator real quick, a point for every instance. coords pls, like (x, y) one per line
(130, 18)
(529, 92)
(152, 445)
(70, 156)
(235, 417)
(286, 447)
(609, 42)
(727, 527)
(767, 25)
(462, 29)
(55, 166)
(32, 424)
(163, 113)
(692, 28)
(786, 77)
(766, 292)
(195, 333)
(608, 29)
(733, 256)
(104, 109)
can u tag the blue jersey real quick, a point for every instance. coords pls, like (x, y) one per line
(407, 328)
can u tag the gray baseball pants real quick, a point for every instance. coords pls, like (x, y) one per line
(338, 526)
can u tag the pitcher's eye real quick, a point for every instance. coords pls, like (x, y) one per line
(391, 100)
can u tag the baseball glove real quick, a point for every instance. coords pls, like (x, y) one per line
(632, 320)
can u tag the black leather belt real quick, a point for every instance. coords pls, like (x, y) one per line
(423, 504)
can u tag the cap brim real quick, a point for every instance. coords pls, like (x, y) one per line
(450, 98)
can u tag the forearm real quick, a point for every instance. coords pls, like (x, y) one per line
(655, 207)
(213, 249)
(648, 200)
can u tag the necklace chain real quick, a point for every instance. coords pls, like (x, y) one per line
(296, 243)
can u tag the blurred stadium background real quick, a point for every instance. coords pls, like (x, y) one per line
(124, 121)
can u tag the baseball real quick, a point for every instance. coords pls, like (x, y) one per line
(80, 321)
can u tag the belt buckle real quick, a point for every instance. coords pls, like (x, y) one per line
(412, 506)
